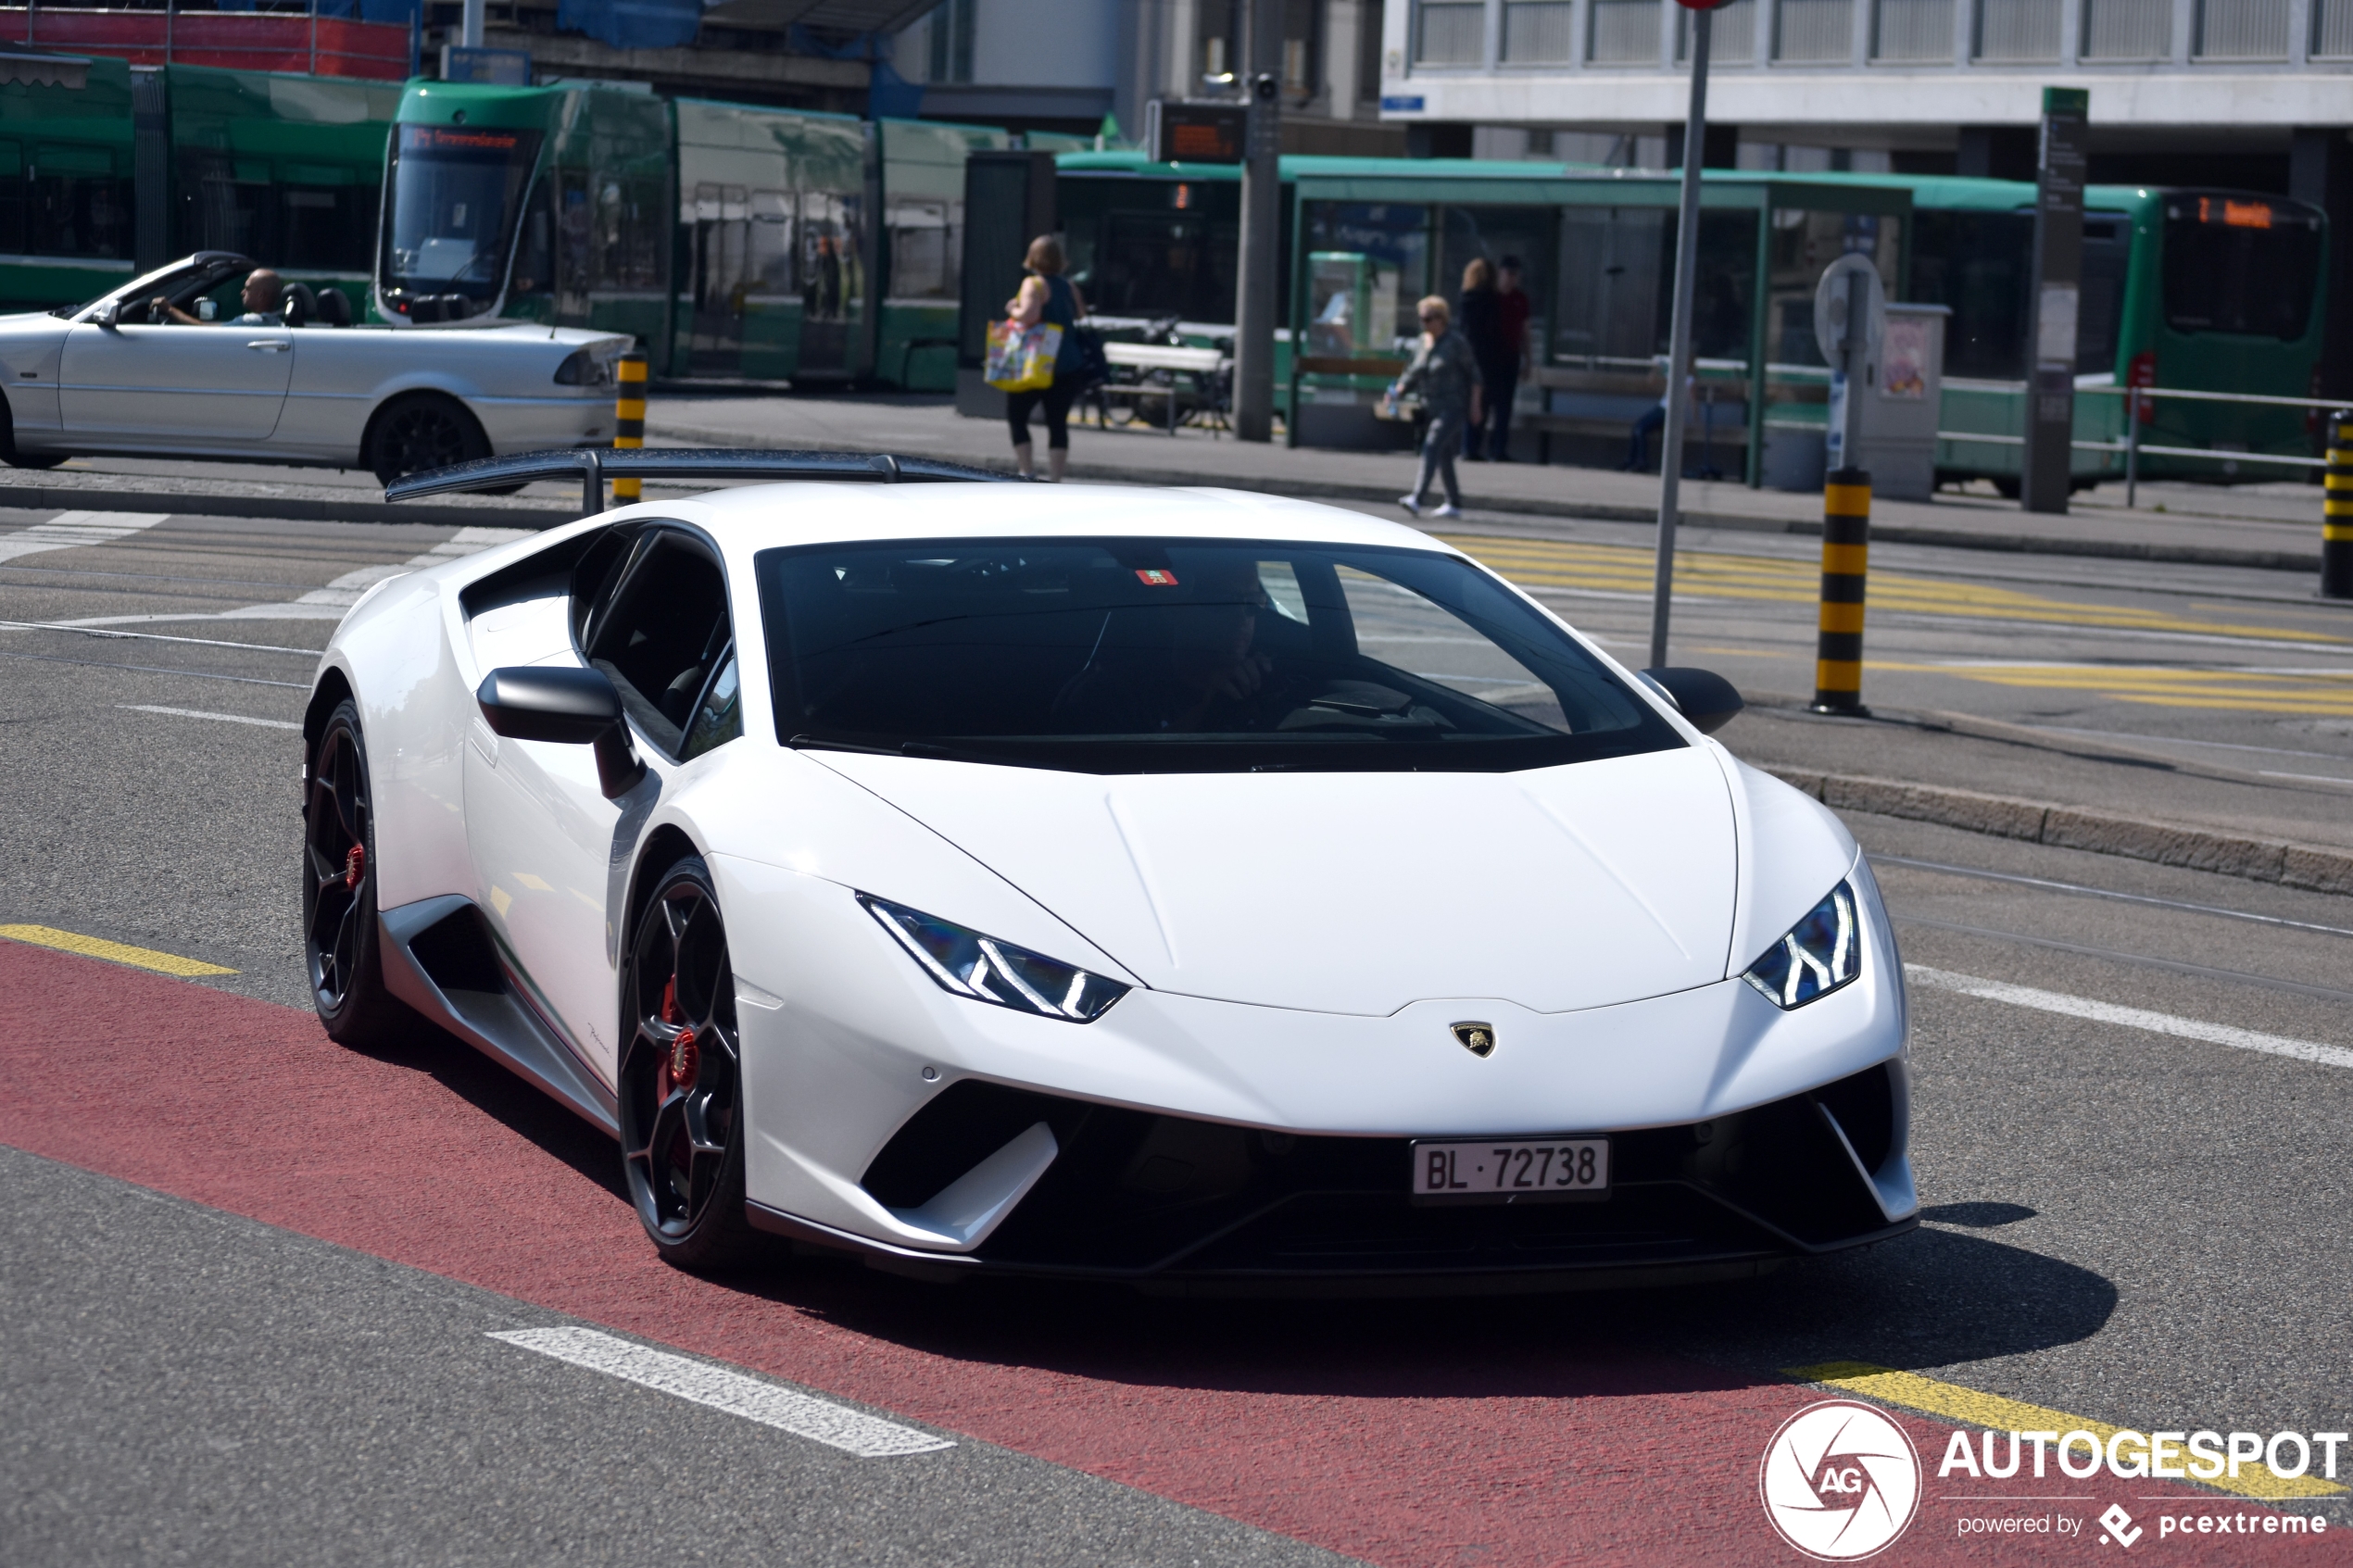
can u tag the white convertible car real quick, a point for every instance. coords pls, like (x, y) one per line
(114, 375)
(1181, 886)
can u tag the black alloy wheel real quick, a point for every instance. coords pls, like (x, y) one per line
(340, 938)
(425, 429)
(681, 1125)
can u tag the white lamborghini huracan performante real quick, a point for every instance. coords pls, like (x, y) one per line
(1187, 887)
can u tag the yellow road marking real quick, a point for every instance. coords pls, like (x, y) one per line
(1953, 1402)
(114, 952)
(1628, 569)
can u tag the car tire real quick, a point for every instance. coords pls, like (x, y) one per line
(420, 431)
(341, 939)
(682, 1121)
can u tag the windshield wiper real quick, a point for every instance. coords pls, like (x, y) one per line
(904, 748)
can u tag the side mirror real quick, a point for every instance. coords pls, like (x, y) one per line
(109, 314)
(1703, 696)
(569, 708)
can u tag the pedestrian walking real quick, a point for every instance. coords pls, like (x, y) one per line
(1047, 296)
(1446, 373)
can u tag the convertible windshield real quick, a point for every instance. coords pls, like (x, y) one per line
(451, 217)
(1150, 656)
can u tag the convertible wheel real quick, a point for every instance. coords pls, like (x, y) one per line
(339, 893)
(424, 431)
(682, 1133)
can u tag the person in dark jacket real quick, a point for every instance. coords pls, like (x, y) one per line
(1446, 373)
(1502, 358)
(1047, 295)
(1478, 316)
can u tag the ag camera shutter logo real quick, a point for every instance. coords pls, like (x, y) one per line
(1840, 1481)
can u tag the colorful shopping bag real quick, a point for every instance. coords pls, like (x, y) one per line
(1021, 359)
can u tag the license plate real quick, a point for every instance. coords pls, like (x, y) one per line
(1511, 1171)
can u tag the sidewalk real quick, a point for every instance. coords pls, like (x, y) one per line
(2269, 526)
(2266, 529)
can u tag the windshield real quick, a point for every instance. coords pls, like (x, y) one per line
(2240, 264)
(451, 217)
(1155, 656)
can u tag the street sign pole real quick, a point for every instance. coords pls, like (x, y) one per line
(1678, 340)
(1262, 220)
(2048, 460)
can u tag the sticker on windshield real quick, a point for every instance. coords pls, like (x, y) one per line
(1152, 577)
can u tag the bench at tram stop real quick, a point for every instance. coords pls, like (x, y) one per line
(1194, 372)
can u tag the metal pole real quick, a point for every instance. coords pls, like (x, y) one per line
(2132, 450)
(1679, 342)
(470, 22)
(1262, 220)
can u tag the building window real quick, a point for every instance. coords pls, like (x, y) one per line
(2242, 30)
(1731, 39)
(1913, 30)
(1370, 26)
(1450, 33)
(951, 43)
(1539, 31)
(1625, 33)
(2332, 28)
(1814, 30)
(2024, 30)
(2127, 30)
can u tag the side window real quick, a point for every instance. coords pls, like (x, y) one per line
(666, 629)
(719, 719)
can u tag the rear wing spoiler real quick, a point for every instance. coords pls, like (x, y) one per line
(594, 465)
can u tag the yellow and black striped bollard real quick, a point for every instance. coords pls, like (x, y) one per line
(2336, 510)
(1847, 545)
(629, 420)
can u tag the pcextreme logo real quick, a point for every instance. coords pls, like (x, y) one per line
(1840, 1481)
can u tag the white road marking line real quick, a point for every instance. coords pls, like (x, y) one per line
(804, 1415)
(331, 602)
(2130, 1018)
(150, 636)
(2308, 778)
(70, 531)
(201, 713)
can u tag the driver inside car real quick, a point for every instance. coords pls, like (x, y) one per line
(1188, 666)
(259, 298)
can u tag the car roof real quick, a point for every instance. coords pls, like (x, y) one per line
(759, 516)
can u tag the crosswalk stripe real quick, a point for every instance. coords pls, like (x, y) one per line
(72, 531)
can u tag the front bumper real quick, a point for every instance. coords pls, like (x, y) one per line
(1175, 1204)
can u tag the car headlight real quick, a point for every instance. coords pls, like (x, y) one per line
(986, 970)
(1819, 953)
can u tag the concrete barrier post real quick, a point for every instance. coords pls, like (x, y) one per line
(1846, 543)
(629, 420)
(2336, 510)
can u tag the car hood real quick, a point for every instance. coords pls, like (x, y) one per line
(1558, 888)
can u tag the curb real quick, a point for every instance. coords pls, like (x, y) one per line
(542, 514)
(293, 509)
(2258, 859)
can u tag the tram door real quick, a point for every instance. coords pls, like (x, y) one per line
(720, 278)
(833, 280)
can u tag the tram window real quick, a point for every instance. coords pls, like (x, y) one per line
(68, 201)
(629, 234)
(535, 245)
(2239, 265)
(923, 249)
(2107, 254)
(12, 199)
(1978, 264)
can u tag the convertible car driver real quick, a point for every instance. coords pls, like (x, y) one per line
(260, 297)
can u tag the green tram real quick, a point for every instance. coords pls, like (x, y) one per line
(2188, 290)
(735, 242)
(108, 169)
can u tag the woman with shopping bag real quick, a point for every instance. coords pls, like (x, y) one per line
(1034, 355)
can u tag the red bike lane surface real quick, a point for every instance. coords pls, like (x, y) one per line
(1404, 1433)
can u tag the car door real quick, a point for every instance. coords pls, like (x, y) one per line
(213, 382)
(552, 854)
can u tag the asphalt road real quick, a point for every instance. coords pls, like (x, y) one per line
(2124, 1224)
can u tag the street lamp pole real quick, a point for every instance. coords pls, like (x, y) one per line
(1679, 341)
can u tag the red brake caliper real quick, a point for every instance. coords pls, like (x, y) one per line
(354, 865)
(682, 1060)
